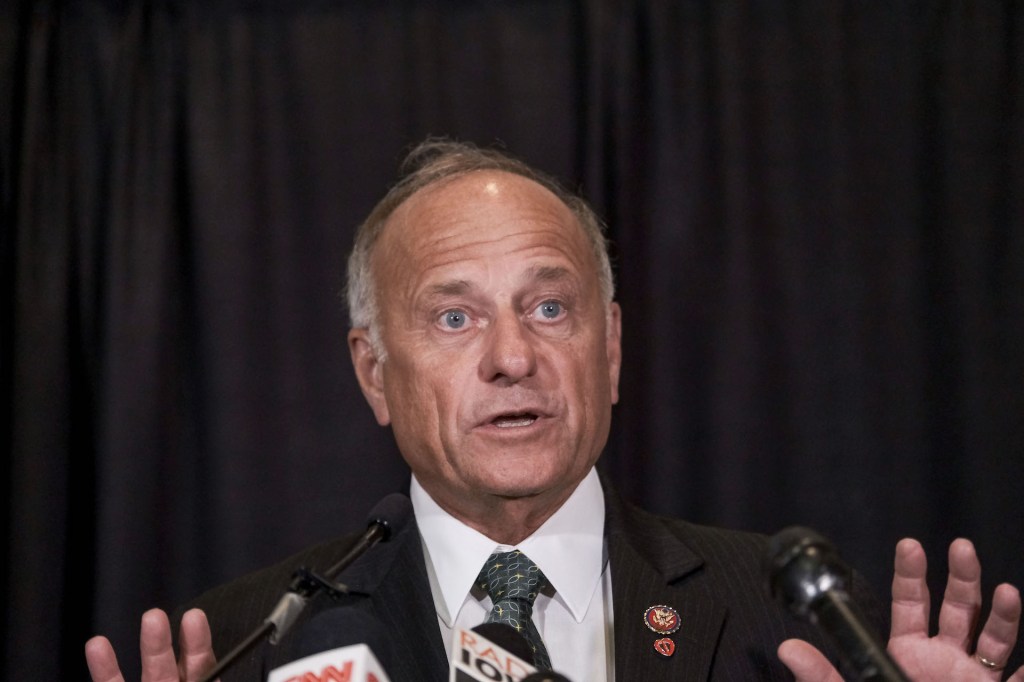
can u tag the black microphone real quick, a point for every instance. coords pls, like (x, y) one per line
(545, 676)
(807, 576)
(495, 651)
(505, 636)
(489, 652)
(341, 626)
(344, 640)
(390, 513)
(387, 516)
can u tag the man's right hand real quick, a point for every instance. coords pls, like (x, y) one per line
(155, 643)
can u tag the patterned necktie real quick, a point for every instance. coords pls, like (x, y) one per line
(513, 582)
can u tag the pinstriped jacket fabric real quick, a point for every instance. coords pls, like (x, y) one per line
(730, 628)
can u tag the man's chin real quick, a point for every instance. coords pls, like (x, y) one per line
(523, 487)
(506, 489)
(521, 493)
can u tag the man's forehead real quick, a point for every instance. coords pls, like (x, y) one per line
(532, 274)
(480, 231)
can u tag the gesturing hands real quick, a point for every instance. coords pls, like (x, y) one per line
(158, 661)
(952, 653)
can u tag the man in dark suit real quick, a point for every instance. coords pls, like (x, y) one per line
(729, 631)
(485, 333)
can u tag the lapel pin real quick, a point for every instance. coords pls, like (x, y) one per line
(661, 619)
(665, 646)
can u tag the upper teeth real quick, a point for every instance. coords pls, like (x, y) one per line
(506, 422)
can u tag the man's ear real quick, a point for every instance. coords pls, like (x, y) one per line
(613, 346)
(370, 373)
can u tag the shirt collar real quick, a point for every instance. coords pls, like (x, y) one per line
(568, 548)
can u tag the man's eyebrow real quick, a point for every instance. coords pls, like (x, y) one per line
(461, 287)
(455, 287)
(548, 273)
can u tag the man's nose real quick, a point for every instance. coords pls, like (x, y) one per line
(510, 354)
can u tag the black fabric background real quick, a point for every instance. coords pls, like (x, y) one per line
(817, 216)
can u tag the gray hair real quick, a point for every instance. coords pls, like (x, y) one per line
(437, 160)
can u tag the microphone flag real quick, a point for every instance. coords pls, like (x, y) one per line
(475, 658)
(353, 663)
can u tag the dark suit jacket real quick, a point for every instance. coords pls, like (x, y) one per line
(712, 577)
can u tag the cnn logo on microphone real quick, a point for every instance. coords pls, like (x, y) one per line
(355, 663)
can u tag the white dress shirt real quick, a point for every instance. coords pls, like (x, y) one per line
(574, 620)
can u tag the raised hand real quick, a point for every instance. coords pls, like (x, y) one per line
(158, 661)
(952, 654)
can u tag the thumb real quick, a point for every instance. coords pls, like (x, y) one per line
(807, 663)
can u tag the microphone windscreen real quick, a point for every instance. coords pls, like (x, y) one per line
(338, 627)
(806, 574)
(545, 676)
(392, 512)
(485, 653)
(505, 636)
(801, 565)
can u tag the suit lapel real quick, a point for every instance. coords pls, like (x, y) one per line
(651, 567)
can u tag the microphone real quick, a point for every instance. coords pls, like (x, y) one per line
(341, 626)
(352, 663)
(506, 637)
(807, 576)
(490, 652)
(341, 643)
(388, 515)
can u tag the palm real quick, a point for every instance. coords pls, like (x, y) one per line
(931, 659)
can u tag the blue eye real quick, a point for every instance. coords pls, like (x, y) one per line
(551, 309)
(455, 319)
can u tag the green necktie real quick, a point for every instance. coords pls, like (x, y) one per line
(513, 583)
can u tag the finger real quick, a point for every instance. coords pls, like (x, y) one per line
(1000, 632)
(196, 646)
(157, 649)
(910, 596)
(807, 663)
(102, 661)
(961, 603)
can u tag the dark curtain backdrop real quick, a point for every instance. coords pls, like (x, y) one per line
(817, 214)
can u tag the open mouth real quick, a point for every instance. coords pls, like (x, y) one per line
(511, 421)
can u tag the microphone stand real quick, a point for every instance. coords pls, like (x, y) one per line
(305, 584)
